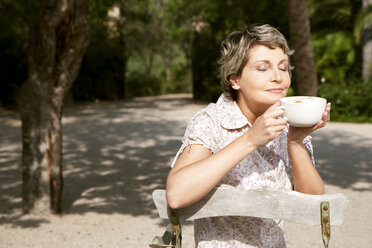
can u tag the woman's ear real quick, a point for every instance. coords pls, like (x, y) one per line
(234, 83)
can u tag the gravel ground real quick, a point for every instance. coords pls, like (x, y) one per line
(117, 153)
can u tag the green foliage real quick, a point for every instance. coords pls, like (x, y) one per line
(338, 59)
(333, 15)
(14, 26)
(166, 75)
(291, 91)
(13, 61)
(143, 85)
(132, 54)
(153, 55)
(351, 100)
(335, 56)
(101, 73)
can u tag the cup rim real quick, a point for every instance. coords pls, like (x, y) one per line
(288, 100)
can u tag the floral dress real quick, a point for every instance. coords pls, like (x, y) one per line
(216, 126)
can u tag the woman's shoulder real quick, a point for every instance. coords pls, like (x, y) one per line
(205, 116)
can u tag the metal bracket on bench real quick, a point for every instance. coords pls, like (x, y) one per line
(172, 236)
(325, 222)
(166, 240)
(176, 226)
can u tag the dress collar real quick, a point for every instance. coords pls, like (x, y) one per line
(229, 114)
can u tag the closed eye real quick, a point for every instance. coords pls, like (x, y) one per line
(262, 68)
(283, 67)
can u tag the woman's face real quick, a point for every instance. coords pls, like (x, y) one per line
(265, 78)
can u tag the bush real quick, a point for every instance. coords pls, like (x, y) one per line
(101, 73)
(139, 84)
(351, 101)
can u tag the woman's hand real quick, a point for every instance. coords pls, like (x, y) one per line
(267, 127)
(298, 134)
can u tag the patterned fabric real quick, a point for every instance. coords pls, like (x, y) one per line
(216, 126)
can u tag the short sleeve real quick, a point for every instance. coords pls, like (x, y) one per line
(309, 147)
(198, 132)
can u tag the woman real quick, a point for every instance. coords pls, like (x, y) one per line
(243, 141)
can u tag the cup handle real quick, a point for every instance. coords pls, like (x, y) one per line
(282, 107)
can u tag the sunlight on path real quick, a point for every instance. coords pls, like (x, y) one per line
(116, 153)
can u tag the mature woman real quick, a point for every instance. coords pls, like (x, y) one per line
(242, 141)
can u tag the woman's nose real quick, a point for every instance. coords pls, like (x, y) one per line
(276, 76)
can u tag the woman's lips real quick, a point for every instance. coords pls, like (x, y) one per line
(275, 90)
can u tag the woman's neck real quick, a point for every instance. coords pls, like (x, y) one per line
(250, 111)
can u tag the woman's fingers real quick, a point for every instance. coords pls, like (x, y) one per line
(325, 117)
(279, 122)
(275, 111)
(269, 125)
(327, 112)
(275, 127)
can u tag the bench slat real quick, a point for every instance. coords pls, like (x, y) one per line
(270, 203)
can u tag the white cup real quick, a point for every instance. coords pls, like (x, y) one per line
(303, 111)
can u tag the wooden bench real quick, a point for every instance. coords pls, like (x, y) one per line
(324, 210)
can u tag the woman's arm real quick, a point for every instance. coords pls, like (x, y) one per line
(197, 171)
(306, 178)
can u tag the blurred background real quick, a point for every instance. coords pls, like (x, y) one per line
(155, 47)
(94, 58)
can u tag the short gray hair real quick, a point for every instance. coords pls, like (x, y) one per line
(235, 47)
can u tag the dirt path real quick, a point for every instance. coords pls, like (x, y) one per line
(116, 154)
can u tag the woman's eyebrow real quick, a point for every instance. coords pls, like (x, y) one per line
(268, 61)
(261, 61)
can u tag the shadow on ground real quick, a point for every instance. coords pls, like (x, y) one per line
(344, 158)
(116, 154)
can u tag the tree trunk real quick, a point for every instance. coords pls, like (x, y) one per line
(204, 52)
(367, 47)
(299, 29)
(58, 41)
